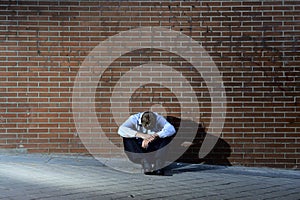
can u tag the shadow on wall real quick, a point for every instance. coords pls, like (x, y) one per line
(217, 156)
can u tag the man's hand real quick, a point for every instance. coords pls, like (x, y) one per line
(148, 140)
(145, 144)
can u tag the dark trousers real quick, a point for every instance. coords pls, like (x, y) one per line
(155, 151)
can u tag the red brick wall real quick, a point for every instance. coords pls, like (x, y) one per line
(255, 46)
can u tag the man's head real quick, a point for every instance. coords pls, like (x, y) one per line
(148, 120)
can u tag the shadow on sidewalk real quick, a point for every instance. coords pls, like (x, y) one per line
(217, 156)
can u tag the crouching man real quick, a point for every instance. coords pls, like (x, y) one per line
(144, 136)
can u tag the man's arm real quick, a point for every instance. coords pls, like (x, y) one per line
(128, 129)
(148, 140)
(166, 131)
(167, 128)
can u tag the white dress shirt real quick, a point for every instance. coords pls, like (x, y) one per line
(133, 125)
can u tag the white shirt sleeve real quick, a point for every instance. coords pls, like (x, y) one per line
(128, 128)
(166, 129)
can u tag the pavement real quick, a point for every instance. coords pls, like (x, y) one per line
(38, 176)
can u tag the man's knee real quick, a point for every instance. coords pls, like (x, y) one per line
(131, 144)
(132, 149)
(161, 142)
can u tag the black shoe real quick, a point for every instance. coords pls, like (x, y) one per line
(159, 172)
(149, 173)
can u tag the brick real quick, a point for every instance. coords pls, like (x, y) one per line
(253, 45)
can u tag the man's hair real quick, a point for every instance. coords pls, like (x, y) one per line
(148, 119)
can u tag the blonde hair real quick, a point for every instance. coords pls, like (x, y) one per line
(148, 119)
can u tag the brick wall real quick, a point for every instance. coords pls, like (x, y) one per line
(254, 44)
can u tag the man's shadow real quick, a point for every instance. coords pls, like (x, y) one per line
(217, 156)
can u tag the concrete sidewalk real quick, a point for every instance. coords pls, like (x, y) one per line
(76, 177)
